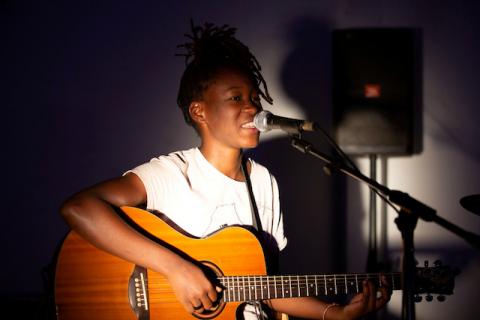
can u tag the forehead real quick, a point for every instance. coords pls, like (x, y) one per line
(227, 78)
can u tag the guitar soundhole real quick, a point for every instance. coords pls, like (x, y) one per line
(212, 271)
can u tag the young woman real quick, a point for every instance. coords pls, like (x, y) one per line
(203, 189)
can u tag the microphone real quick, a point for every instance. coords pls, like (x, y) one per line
(265, 121)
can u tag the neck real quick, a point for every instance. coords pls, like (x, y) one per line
(227, 161)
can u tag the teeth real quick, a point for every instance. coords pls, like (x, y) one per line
(248, 125)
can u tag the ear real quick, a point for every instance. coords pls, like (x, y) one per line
(196, 111)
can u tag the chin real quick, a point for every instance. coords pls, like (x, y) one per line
(250, 145)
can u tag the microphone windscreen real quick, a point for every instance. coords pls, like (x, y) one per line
(260, 121)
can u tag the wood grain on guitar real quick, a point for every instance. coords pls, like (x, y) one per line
(92, 284)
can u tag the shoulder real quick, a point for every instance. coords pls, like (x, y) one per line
(177, 159)
(174, 162)
(260, 172)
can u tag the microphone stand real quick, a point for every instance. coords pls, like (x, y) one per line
(410, 211)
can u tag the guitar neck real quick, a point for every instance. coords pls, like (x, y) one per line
(248, 288)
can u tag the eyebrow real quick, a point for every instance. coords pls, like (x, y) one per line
(240, 88)
(233, 88)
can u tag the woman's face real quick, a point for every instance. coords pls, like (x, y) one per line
(229, 104)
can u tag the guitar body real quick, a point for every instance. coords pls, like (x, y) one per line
(93, 284)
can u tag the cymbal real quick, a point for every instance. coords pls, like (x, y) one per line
(471, 203)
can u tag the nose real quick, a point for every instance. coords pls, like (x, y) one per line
(253, 106)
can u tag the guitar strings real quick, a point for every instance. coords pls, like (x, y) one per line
(274, 286)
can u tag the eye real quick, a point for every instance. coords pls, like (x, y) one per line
(236, 98)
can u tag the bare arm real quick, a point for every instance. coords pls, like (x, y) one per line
(312, 308)
(91, 214)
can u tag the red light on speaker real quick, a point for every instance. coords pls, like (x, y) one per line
(372, 90)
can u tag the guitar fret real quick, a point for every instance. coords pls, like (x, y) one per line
(249, 288)
(245, 289)
(325, 282)
(255, 286)
(231, 282)
(290, 285)
(356, 282)
(222, 282)
(335, 283)
(226, 294)
(298, 286)
(346, 286)
(306, 280)
(268, 288)
(275, 286)
(283, 292)
(233, 287)
(239, 289)
(316, 286)
(229, 289)
(261, 288)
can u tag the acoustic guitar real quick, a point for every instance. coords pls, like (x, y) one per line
(93, 284)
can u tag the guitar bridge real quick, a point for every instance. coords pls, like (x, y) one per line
(138, 293)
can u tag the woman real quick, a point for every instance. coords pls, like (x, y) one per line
(203, 189)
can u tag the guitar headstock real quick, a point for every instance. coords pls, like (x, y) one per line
(438, 279)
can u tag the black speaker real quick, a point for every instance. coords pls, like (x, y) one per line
(377, 90)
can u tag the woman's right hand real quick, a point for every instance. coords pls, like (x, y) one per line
(192, 288)
(90, 213)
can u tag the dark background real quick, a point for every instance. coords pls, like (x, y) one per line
(88, 91)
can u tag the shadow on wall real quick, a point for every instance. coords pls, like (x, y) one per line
(314, 204)
(309, 197)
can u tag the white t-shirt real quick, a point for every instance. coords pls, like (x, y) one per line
(201, 200)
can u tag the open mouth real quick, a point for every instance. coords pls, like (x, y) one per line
(248, 125)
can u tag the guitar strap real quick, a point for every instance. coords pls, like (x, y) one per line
(256, 223)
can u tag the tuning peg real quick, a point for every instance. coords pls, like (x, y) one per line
(437, 263)
(441, 298)
(417, 298)
(429, 297)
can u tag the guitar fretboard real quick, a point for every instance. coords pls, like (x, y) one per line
(249, 288)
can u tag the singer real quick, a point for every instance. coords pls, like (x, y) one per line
(204, 189)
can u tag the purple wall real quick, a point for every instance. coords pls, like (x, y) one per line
(89, 90)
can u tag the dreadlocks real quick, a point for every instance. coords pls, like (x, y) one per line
(211, 49)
